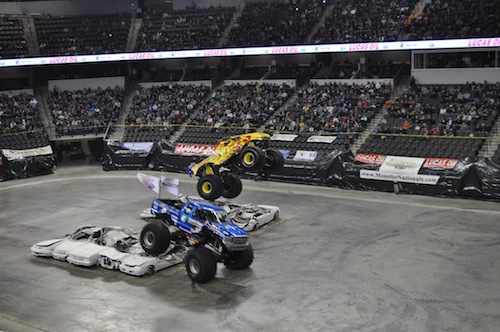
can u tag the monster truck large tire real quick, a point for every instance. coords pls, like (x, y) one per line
(155, 238)
(232, 186)
(201, 264)
(252, 158)
(210, 187)
(274, 160)
(239, 260)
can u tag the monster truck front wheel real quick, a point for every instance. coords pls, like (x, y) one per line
(239, 260)
(201, 265)
(274, 160)
(252, 158)
(155, 238)
(232, 186)
(210, 187)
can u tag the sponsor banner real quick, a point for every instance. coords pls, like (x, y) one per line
(194, 149)
(305, 155)
(283, 137)
(291, 49)
(440, 163)
(434, 163)
(367, 158)
(393, 177)
(321, 139)
(138, 146)
(401, 165)
(19, 154)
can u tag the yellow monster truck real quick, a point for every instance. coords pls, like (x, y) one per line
(220, 173)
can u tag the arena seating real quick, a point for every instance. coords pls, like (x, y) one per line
(462, 115)
(364, 21)
(83, 34)
(157, 111)
(246, 106)
(12, 39)
(454, 19)
(333, 107)
(20, 123)
(276, 23)
(183, 29)
(86, 111)
(338, 110)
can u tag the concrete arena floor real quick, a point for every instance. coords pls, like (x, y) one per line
(337, 260)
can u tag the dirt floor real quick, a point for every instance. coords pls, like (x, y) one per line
(337, 260)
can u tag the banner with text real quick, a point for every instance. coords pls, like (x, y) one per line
(194, 149)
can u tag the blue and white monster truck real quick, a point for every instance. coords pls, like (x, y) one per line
(205, 230)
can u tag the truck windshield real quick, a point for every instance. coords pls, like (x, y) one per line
(217, 216)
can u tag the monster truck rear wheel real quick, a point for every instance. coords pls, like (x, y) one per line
(201, 265)
(232, 186)
(155, 238)
(239, 260)
(210, 187)
(252, 158)
(274, 160)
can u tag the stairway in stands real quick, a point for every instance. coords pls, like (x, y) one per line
(119, 127)
(396, 93)
(492, 143)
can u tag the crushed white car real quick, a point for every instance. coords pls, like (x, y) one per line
(78, 237)
(144, 264)
(251, 216)
(113, 248)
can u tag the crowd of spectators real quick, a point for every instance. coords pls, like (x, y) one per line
(246, 106)
(364, 21)
(165, 105)
(19, 113)
(85, 111)
(457, 110)
(454, 19)
(183, 29)
(284, 22)
(12, 40)
(20, 123)
(340, 108)
(83, 34)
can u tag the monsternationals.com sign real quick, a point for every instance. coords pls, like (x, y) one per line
(402, 169)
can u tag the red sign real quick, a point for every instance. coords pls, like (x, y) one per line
(375, 159)
(284, 49)
(194, 149)
(363, 47)
(135, 56)
(63, 59)
(440, 163)
(214, 52)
